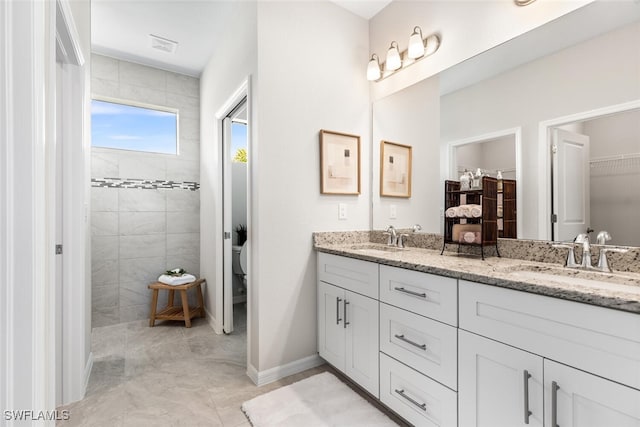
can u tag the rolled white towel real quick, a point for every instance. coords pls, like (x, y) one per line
(476, 211)
(176, 280)
(464, 211)
(452, 212)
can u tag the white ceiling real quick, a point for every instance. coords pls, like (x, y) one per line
(121, 28)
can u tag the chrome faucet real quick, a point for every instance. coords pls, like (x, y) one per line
(416, 228)
(393, 236)
(583, 238)
(603, 263)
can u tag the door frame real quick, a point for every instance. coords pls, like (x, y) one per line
(544, 156)
(242, 92)
(451, 162)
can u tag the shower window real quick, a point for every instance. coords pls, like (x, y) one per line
(133, 127)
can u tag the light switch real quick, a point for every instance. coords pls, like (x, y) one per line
(393, 214)
(342, 211)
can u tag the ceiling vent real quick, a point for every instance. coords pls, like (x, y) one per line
(162, 44)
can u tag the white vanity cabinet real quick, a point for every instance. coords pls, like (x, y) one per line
(500, 386)
(510, 332)
(347, 320)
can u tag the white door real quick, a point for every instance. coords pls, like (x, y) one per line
(498, 385)
(331, 332)
(570, 152)
(59, 230)
(360, 315)
(227, 223)
(575, 398)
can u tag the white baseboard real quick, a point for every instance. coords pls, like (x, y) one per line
(87, 373)
(261, 378)
(217, 327)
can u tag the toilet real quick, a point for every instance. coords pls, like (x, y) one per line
(239, 263)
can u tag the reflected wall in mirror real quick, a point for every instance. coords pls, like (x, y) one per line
(409, 117)
(596, 176)
(584, 61)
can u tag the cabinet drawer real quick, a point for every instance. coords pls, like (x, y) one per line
(427, 346)
(422, 293)
(599, 340)
(348, 273)
(416, 398)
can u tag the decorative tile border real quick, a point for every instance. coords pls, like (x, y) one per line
(145, 184)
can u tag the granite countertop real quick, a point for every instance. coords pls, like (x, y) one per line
(619, 291)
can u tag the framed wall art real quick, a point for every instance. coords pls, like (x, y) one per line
(339, 163)
(395, 169)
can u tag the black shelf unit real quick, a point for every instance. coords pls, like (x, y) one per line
(487, 197)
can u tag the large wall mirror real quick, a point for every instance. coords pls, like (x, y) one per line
(579, 73)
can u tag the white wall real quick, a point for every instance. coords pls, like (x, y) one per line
(494, 155)
(233, 62)
(466, 28)
(544, 89)
(311, 60)
(139, 233)
(410, 117)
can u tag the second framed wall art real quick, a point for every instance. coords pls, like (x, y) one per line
(395, 169)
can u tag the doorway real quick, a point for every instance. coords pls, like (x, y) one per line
(235, 231)
(595, 175)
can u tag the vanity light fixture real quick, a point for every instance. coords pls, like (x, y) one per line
(393, 57)
(373, 69)
(418, 49)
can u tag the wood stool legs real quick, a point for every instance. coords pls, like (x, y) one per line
(185, 308)
(154, 303)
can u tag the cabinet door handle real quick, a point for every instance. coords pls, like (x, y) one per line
(415, 294)
(554, 403)
(408, 341)
(338, 319)
(345, 313)
(422, 406)
(527, 412)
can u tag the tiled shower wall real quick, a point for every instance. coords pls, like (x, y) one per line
(139, 233)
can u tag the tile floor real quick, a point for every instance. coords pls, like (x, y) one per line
(169, 375)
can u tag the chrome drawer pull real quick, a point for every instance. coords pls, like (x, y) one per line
(554, 403)
(345, 313)
(415, 294)
(422, 406)
(527, 412)
(408, 341)
(338, 319)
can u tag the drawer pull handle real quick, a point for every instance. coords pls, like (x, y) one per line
(338, 319)
(527, 412)
(422, 406)
(408, 341)
(345, 313)
(554, 403)
(415, 294)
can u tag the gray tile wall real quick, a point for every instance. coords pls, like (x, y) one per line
(139, 233)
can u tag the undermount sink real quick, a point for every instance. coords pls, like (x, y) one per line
(573, 277)
(376, 249)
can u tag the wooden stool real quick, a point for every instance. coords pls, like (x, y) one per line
(171, 312)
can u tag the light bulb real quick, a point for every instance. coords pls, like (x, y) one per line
(373, 69)
(393, 57)
(416, 44)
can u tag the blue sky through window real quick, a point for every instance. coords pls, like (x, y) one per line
(127, 127)
(238, 137)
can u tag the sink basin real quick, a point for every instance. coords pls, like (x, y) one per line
(574, 277)
(376, 249)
